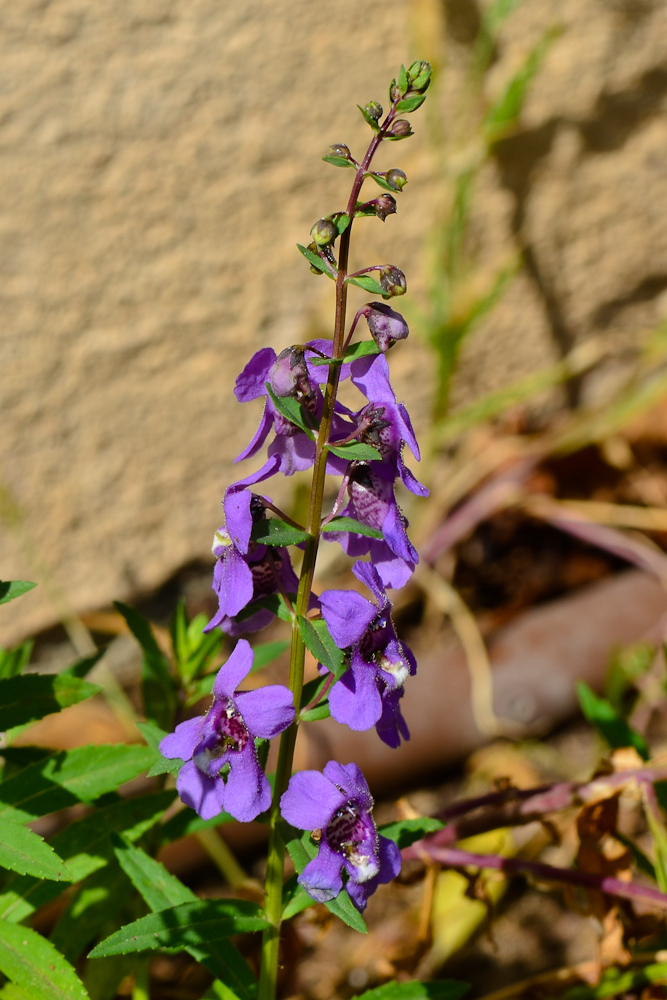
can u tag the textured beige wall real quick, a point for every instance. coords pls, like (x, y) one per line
(160, 158)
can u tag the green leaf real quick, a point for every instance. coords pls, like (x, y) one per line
(380, 180)
(274, 531)
(157, 685)
(406, 831)
(267, 652)
(69, 777)
(369, 119)
(187, 822)
(316, 714)
(274, 603)
(410, 103)
(32, 962)
(83, 666)
(342, 222)
(440, 989)
(293, 411)
(505, 112)
(350, 524)
(302, 850)
(196, 924)
(316, 261)
(24, 851)
(338, 161)
(616, 982)
(362, 349)
(367, 283)
(154, 736)
(609, 723)
(402, 80)
(323, 646)
(98, 900)
(14, 661)
(85, 846)
(32, 696)
(14, 588)
(355, 451)
(161, 890)
(219, 991)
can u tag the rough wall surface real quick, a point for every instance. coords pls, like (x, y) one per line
(160, 158)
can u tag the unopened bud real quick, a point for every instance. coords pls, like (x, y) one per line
(386, 325)
(393, 281)
(396, 179)
(373, 110)
(384, 205)
(395, 93)
(288, 375)
(324, 232)
(419, 76)
(340, 149)
(313, 247)
(400, 129)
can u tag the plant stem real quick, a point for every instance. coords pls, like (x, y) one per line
(277, 848)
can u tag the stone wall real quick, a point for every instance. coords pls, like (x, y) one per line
(160, 159)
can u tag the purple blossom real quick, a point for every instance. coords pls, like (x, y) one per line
(386, 426)
(386, 325)
(339, 806)
(368, 694)
(224, 740)
(372, 502)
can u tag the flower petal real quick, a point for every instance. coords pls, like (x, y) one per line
(183, 741)
(354, 700)
(234, 670)
(267, 711)
(247, 792)
(347, 615)
(371, 376)
(265, 425)
(310, 800)
(197, 790)
(322, 878)
(233, 583)
(367, 574)
(251, 382)
(350, 778)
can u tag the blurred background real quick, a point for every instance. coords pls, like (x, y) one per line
(160, 159)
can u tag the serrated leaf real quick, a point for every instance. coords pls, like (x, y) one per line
(32, 696)
(195, 924)
(609, 723)
(367, 118)
(96, 902)
(316, 261)
(157, 685)
(350, 524)
(355, 451)
(338, 161)
(70, 777)
(407, 831)
(302, 850)
(32, 962)
(292, 410)
(440, 989)
(85, 846)
(367, 283)
(83, 666)
(362, 349)
(410, 103)
(24, 851)
(10, 589)
(275, 531)
(14, 661)
(161, 890)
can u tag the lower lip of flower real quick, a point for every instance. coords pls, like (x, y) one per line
(399, 670)
(347, 834)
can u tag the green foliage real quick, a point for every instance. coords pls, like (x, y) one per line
(36, 966)
(157, 685)
(407, 831)
(9, 590)
(441, 989)
(194, 650)
(14, 661)
(364, 280)
(317, 639)
(32, 696)
(609, 723)
(293, 411)
(274, 531)
(350, 524)
(355, 451)
(24, 851)
(316, 261)
(302, 850)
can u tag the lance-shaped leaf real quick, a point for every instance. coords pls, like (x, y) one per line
(161, 890)
(410, 103)
(316, 261)
(440, 989)
(315, 635)
(352, 525)
(69, 777)
(355, 451)
(275, 603)
(364, 280)
(9, 589)
(302, 850)
(157, 685)
(337, 161)
(14, 661)
(32, 696)
(97, 901)
(196, 924)
(24, 851)
(154, 736)
(37, 968)
(602, 714)
(293, 411)
(86, 846)
(275, 531)
(362, 349)
(407, 831)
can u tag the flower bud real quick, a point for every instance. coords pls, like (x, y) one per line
(384, 205)
(340, 149)
(396, 179)
(313, 247)
(393, 281)
(373, 110)
(324, 232)
(288, 375)
(400, 129)
(419, 76)
(386, 325)
(395, 92)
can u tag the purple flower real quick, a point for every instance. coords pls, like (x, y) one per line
(368, 694)
(223, 740)
(373, 502)
(339, 806)
(386, 325)
(386, 426)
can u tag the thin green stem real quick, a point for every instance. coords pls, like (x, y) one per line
(277, 848)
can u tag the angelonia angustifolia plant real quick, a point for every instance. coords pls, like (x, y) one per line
(363, 664)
